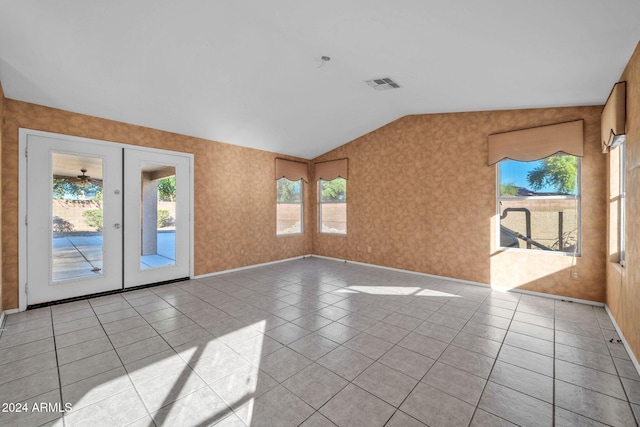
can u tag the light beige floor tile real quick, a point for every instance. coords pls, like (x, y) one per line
(35, 411)
(592, 379)
(129, 409)
(457, 383)
(242, 385)
(312, 322)
(283, 364)
(118, 315)
(485, 331)
(88, 367)
(187, 334)
(313, 346)
(141, 349)
(26, 367)
(485, 419)
(202, 407)
(338, 332)
(564, 418)
(315, 385)
(368, 345)
(23, 351)
(255, 348)
(279, 407)
(387, 332)
(76, 325)
(400, 419)
(434, 407)
(132, 336)
(82, 350)
(30, 386)
(73, 315)
(523, 380)
(469, 361)
(438, 332)
(211, 369)
(153, 366)
(96, 388)
(591, 404)
(406, 361)
(7, 341)
(355, 407)
(529, 343)
(287, 333)
(169, 387)
(345, 362)
(424, 345)
(386, 383)
(527, 359)
(515, 406)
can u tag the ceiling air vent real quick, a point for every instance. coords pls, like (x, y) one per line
(383, 84)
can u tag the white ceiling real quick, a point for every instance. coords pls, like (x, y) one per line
(247, 72)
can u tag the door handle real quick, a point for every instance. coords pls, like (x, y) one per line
(116, 226)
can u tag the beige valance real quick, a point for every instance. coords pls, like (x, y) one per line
(332, 170)
(537, 143)
(291, 170)
(614, 116)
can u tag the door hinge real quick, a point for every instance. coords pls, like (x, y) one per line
(26, 288)
(26, 152)
(26, 220)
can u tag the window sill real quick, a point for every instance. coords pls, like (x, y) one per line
(542, 252)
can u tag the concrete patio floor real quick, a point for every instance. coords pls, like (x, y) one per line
(76, 256)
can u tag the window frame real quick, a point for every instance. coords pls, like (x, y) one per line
(622, 189)
(301, 203)
(320, 203)
(577, 197)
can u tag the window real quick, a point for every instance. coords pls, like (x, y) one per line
(623, 184)
(539, 204)
(333, 206)
(288, 207)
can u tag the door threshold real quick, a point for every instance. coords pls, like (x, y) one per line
(102, 294)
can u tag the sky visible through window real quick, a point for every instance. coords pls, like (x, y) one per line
(515, 172)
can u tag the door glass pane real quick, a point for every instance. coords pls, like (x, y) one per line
(76, 217)
(158, 216)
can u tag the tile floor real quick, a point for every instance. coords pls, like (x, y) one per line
(316, 342)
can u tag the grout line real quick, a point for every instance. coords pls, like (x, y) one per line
(475, 410)
(55, 349)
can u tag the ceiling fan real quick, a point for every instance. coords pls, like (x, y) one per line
(83, 180)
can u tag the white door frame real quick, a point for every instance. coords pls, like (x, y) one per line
(22, 198)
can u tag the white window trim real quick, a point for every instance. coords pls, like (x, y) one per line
(623, 189)
(320, 203)
(577, 197)
(301, 181)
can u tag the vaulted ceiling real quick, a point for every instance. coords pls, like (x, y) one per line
(249, 72)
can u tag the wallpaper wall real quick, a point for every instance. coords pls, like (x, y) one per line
(623, 292)
(421, 196)
(235, 190)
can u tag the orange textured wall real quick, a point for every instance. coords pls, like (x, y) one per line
(235, 191)
(421, 195)
(623, 292)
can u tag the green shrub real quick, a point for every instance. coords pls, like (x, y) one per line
(61, 225)
(164, 219)
(93, 218)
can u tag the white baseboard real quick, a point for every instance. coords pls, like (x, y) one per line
(469, 282)
(3, 316)
(248, 267)
(624, 341)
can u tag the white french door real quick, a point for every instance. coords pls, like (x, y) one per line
(102, 217)
(156, 238)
